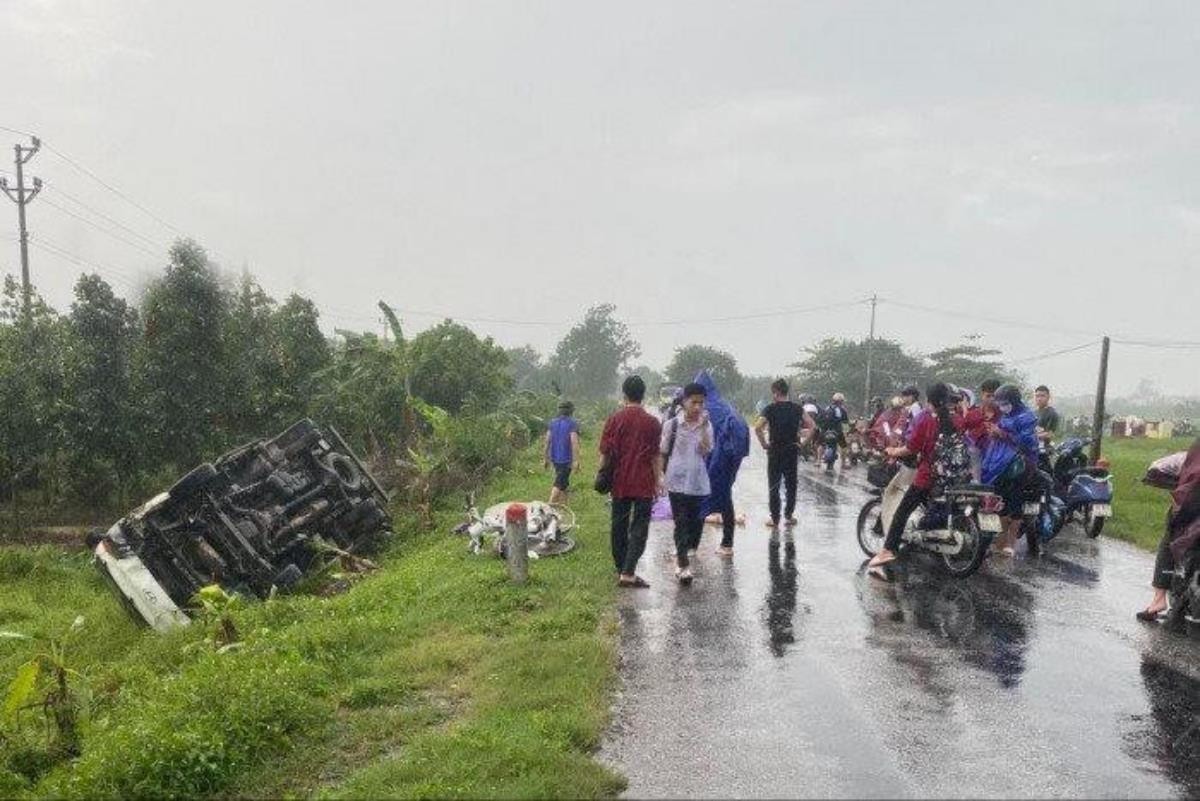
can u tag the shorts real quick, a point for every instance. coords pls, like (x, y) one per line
(562, 476)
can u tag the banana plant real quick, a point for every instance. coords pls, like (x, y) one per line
(46, 681)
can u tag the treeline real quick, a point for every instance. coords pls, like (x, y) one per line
(109, 401)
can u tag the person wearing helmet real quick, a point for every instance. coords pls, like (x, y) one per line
(1010, 459)
(833, 420)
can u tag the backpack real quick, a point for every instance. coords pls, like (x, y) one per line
(674, 424)
(951, 461)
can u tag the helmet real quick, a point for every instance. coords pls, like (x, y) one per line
(839, 397)
(1008, 393)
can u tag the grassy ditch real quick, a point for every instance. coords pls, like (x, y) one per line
(1138, 510)
(430, 677)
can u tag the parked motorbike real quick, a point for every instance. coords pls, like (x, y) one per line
(1085, 490)
(1043, 513)
(958, 525)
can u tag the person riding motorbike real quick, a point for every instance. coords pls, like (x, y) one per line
(833, 421)
(1010, 459)
(938, 419)
(1182, 532)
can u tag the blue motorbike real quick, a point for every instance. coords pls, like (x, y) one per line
(1085, 490)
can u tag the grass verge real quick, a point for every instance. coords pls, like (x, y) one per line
(1139, 511)
(431, 677)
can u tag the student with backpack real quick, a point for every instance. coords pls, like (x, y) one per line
(687, 439)
(942, 461)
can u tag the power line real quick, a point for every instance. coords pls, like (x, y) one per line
(119, 276)
(60, 191)
(100, 228)
(1049, 354)
(981, 318)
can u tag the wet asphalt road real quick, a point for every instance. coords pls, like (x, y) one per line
(787, 671)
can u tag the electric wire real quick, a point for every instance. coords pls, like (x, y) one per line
(99, 228)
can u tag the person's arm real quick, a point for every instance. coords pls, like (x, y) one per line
(706, 437)
(574, 450)
(660, 481)
(605, 446)
(760, 431)
(807, 426)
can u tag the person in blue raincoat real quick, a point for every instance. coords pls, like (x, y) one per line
(1010, 459)
(731, 444)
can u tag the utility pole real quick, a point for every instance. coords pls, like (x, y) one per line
(870, 349)
(22, 196)
(1098, 413)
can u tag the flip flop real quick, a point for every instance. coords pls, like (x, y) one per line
(637, 582)
(1146, 616)
(878, 573)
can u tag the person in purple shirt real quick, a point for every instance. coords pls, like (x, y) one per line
(562, 450)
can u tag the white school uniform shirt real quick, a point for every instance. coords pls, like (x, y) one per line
(686, 471)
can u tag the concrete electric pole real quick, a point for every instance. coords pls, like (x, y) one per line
(21, 195)
(870, 348)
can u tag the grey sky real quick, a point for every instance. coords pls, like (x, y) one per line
(1035, 161)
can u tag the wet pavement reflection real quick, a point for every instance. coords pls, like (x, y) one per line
(787, 671)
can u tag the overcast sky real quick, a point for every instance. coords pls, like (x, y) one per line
(1034, 162)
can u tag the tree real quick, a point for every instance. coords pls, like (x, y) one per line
(755, 389)
(526, 368)
(251, 396)
(100, 423)
(691, 359)
(840, 365)
(588, 358)
(968, 365)
(182, 361)
(451, 366)
(653, 378)
(362, 394)
(31, 392)
(302, 353)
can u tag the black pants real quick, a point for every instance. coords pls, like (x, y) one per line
(1164, 561)
(688, 524)
(725, 509)
(781, 468)
(913, 497)
(630, 527)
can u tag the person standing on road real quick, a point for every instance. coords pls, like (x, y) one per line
(1182, 532)
(731, 444)
(1010, 460)
(562, 450)
(1047, 416)
(778, 430)
(687, 440)
(630, 444)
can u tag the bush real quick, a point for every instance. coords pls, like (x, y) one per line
(192, 733)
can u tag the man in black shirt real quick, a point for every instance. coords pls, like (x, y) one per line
(1047, 416)
(778, 430)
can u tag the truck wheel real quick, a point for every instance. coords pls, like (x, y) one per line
(193, 481)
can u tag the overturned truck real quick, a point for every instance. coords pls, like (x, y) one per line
(253, 521)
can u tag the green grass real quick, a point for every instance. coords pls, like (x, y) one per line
(431, 677)
(1139, 511)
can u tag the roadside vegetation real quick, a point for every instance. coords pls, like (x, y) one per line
(431, 677)
(1139, 511)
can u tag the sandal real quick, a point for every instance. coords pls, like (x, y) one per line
(1146, 616)
(637, 582)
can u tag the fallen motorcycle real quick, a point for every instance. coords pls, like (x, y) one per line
(957, 524)
(547, 527)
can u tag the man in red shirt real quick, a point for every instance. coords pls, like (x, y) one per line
(631, 440)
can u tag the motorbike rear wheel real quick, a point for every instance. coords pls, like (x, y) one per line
(974, 550)
(1091, 524)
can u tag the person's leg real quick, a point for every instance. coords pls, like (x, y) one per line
(913, 497)
(620, 530)
(1164, 566)
(683, 534)
(639, 530)
(695, 521)
(789, 488)
(774, 478)
(728, 521)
